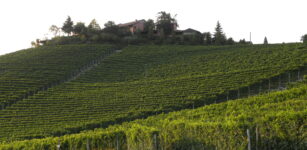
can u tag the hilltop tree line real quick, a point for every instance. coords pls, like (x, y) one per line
(161, 31)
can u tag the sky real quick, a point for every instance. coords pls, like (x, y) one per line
(279, 20)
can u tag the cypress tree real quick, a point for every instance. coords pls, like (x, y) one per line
(304, 39)
(265, 41)
(219, 36)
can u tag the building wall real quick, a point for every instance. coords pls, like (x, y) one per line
(139, 26)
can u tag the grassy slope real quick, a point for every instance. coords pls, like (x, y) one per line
(278, 117)
(145, 79)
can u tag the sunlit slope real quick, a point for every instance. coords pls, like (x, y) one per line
(143, 80)
(161, 62)
(27, 71)
(275, 121)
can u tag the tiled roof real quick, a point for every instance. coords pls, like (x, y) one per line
(190, 30)
(130, 23)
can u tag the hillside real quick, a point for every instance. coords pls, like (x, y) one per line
(138, 82)
(25, 72)
(274, 121)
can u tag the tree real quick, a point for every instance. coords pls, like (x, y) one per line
(111, 27)
(304, 39)
(56, 30)
(149, 27)
(68, 26)
(93, 29)
(242, 41)
(79, 28)
(193, 39)
(94, 25)
(219, 36)
(166, 24)
(230, 41)
(265, 41)
(109, 24)
(207, 38)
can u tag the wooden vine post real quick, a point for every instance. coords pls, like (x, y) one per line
(59, 145)
(257, 137)
(87, 144)
(117, 143)
(155, 141)
(249, 140)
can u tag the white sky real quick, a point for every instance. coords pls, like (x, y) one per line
(22, 21)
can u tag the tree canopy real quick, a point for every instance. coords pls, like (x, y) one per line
(55, 29)
(166, 24)
(94, 25)
(162, 31)
(219, 36)
(109, 24)
(68, 26)
(111, 28)
(207, 38)
(149, 28)
(79, 28)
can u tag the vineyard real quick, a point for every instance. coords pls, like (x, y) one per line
(269, 121)
(42, 97)
(25, 72)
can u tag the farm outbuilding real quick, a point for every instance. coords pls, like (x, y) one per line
(134, 26)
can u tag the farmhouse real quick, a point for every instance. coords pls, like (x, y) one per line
(134, 26)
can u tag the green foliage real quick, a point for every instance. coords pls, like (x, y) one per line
(109, 24)
(56, 30)
(219, 36)
(164, 31)
(94, 25)
(265, 42)
(166, 24)
(98, 139)
(195, 39)
(112, 28)
(68, 26)
(35, 69)
(134, 40)
(140, 137)
(230, 41)
(149, 27)
(108, 38)
(207, 38)
(80, 28)
(277, 119)
(304, 39)
(138, 82)
(65, 40)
